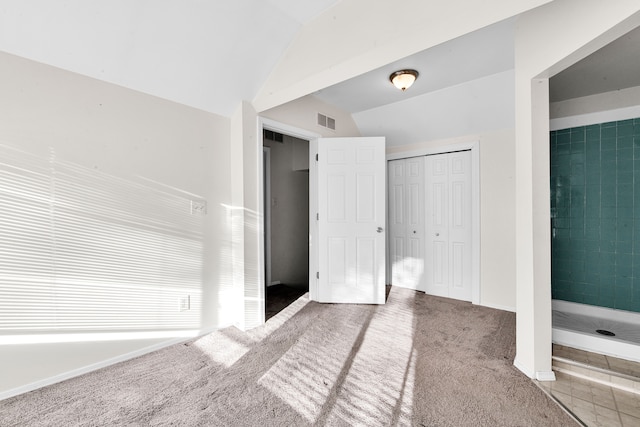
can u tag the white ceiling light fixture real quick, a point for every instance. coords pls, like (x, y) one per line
(402, 79)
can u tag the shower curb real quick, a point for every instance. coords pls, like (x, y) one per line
(606, 377)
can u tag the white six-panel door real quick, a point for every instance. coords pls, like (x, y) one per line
(406, 222)
(448, 193)
(351, 220)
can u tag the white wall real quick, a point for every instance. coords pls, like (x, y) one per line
(599, 108)
(302, 113)
(497, 206)
(124, 133)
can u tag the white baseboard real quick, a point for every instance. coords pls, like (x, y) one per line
(95, 366)
(415, 287)
(545, 376)
(500, 307)
(538, 375)
(522, 368)
(494, 306)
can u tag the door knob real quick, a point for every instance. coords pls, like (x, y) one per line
(379, 230)
(437, 234)
(414, 231)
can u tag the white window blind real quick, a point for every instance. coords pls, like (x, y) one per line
(82, 250)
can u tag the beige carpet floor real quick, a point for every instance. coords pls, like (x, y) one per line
(415, 361)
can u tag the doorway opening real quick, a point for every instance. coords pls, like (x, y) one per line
(286, 219)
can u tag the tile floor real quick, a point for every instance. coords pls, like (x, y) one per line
(595, 404)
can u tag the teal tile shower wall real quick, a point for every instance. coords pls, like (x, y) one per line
(595, 214)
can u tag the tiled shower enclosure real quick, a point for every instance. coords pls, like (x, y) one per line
(595, 214)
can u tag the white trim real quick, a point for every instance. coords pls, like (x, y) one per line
(387, 260)
(474, 147)
(266, 161)
(261, 283)
(475, 222)
(545, 376)
(99, 365)
(6, 340)
(313, 221)
(440, 149)
(286, 129)
(595, 118)
(522, 368)
(500, 307)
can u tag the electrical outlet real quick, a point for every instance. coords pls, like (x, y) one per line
(198, 207)
(185, 303)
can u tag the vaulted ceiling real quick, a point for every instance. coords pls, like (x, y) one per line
(206, 54)
(213, 54)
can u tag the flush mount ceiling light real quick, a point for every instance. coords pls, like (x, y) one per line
(402, 79)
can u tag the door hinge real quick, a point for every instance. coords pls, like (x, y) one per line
(317, 274)
(317, 217)
(316, 157)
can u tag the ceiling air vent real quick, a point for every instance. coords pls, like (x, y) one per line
(326, 121)
(272, 136)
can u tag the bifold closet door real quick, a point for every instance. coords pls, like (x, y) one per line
(406, 222)
(448, 225)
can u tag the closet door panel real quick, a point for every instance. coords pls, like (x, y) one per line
(415, 261)
(406, 199)
(437, 225)
(460, 225)
(396, 173)
(448, 230)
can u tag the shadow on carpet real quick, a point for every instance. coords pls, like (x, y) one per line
(418, 360)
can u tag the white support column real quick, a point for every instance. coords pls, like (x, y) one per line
(533, 266)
